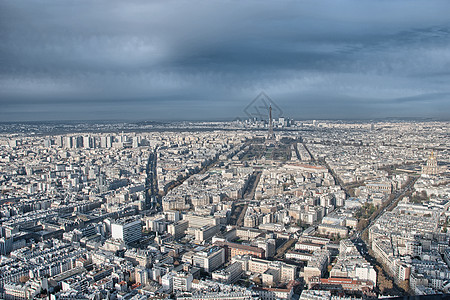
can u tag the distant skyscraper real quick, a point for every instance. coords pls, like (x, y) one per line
(59, 141)
(78, 142)
(136, 141)
(69, 142)
(270, 134)
(109, 141)
(106, 142)
(47, 143)
(87, 142)
(103, 142)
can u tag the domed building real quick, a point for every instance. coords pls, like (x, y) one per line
(431, 168)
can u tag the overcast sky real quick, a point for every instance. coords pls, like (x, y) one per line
(206, 60)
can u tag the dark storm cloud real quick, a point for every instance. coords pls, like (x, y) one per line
(198, 59)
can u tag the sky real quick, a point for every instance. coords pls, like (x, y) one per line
(207, 60)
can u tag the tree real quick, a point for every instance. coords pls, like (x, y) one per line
(257, 280)
(365, 236)
(329, 268)
(384, 284)
(363, 223)
(404, 285)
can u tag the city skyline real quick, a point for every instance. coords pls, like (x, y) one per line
(204, 61)
(224, 150)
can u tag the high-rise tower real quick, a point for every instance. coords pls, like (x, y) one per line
(270, 134)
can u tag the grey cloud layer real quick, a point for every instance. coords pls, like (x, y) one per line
(197, 59)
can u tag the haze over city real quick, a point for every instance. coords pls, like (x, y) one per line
(192, 60)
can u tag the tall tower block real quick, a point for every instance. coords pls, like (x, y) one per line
(270, 134)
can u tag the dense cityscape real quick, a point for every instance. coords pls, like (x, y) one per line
(141, 156)
(275, 209)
